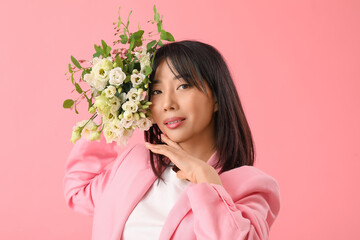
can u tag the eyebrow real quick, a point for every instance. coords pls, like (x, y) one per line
(155, 81)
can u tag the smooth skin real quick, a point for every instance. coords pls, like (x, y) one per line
(190, 145)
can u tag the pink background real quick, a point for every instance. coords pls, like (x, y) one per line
(297, 68)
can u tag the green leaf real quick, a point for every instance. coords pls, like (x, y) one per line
(70, 69)
(72, 78)
(119, 62)
(148, 70)
(68, 103)
(85, 71)
(89, 100)
(127, 79)
(159, 26)
(75, 62)
(99, 51)
(105, 49)
(97, 48)
(138, 35)
(160, 43)
(131, 44)
(76, 111)
(150, 45)
(97, 54)
(156, 15)
(166, 36)
(78, 88)
(123, 39)
(131, 67)
(127, 24)
(104, 45)
(119, 22)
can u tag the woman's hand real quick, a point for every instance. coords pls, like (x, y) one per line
(191, 168)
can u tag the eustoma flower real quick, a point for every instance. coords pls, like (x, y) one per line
(118, 82)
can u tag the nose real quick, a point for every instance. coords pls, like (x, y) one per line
(169, 101)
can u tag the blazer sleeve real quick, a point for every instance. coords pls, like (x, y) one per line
(246, 215)
(87, 172)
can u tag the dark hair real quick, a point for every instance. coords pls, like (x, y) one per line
(193, 61)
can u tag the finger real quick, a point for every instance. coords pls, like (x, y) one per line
(160, 149)
(180, 174)
(169, 142)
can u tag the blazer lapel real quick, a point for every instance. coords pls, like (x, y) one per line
(139, 185)
(181, 207)
(176, 214)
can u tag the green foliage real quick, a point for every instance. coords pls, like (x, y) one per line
(150, 45)
(127, 62)
(70, 68)
(119, 62)
(148, 70)
(75, 62)
(166, 36)
(78, 88)
(68, 103)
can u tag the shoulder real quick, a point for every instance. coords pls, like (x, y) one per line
(136, 152)
(248, 180)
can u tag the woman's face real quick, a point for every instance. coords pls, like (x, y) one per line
(182, 112)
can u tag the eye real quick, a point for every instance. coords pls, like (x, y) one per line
(184, 86)
(155, 92)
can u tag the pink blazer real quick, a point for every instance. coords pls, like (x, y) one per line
(98, 182)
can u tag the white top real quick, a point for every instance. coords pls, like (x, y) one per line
(148, 217)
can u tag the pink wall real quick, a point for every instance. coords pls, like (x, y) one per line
(296, 65)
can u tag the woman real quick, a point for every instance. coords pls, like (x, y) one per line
(200, 131)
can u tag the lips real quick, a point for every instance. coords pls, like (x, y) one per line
(173, 119)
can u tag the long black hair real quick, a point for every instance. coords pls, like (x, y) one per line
(193, 61)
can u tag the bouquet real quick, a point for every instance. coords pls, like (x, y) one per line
(117, 83)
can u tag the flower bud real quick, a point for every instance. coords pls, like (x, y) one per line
(95, 135)
(76, 135)
(92, 109)
(142, 115)
(140, 91)
(136, 116)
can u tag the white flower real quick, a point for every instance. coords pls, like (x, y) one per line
(109, 134)
(99, 75)
(117, 76)
(100, 72)
(89, 78)
(88, 129)
(95, 60)
(133, 95)
(130, 106)
(102, 104)
(126, 124)
(116, 125)
(144, 124)
(144, 58)
(123, 136)
(114, 103)
(110, 116)
(137, 78)
(128, 116)
(110, 91)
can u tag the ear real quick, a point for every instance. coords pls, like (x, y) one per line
(216, 107)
